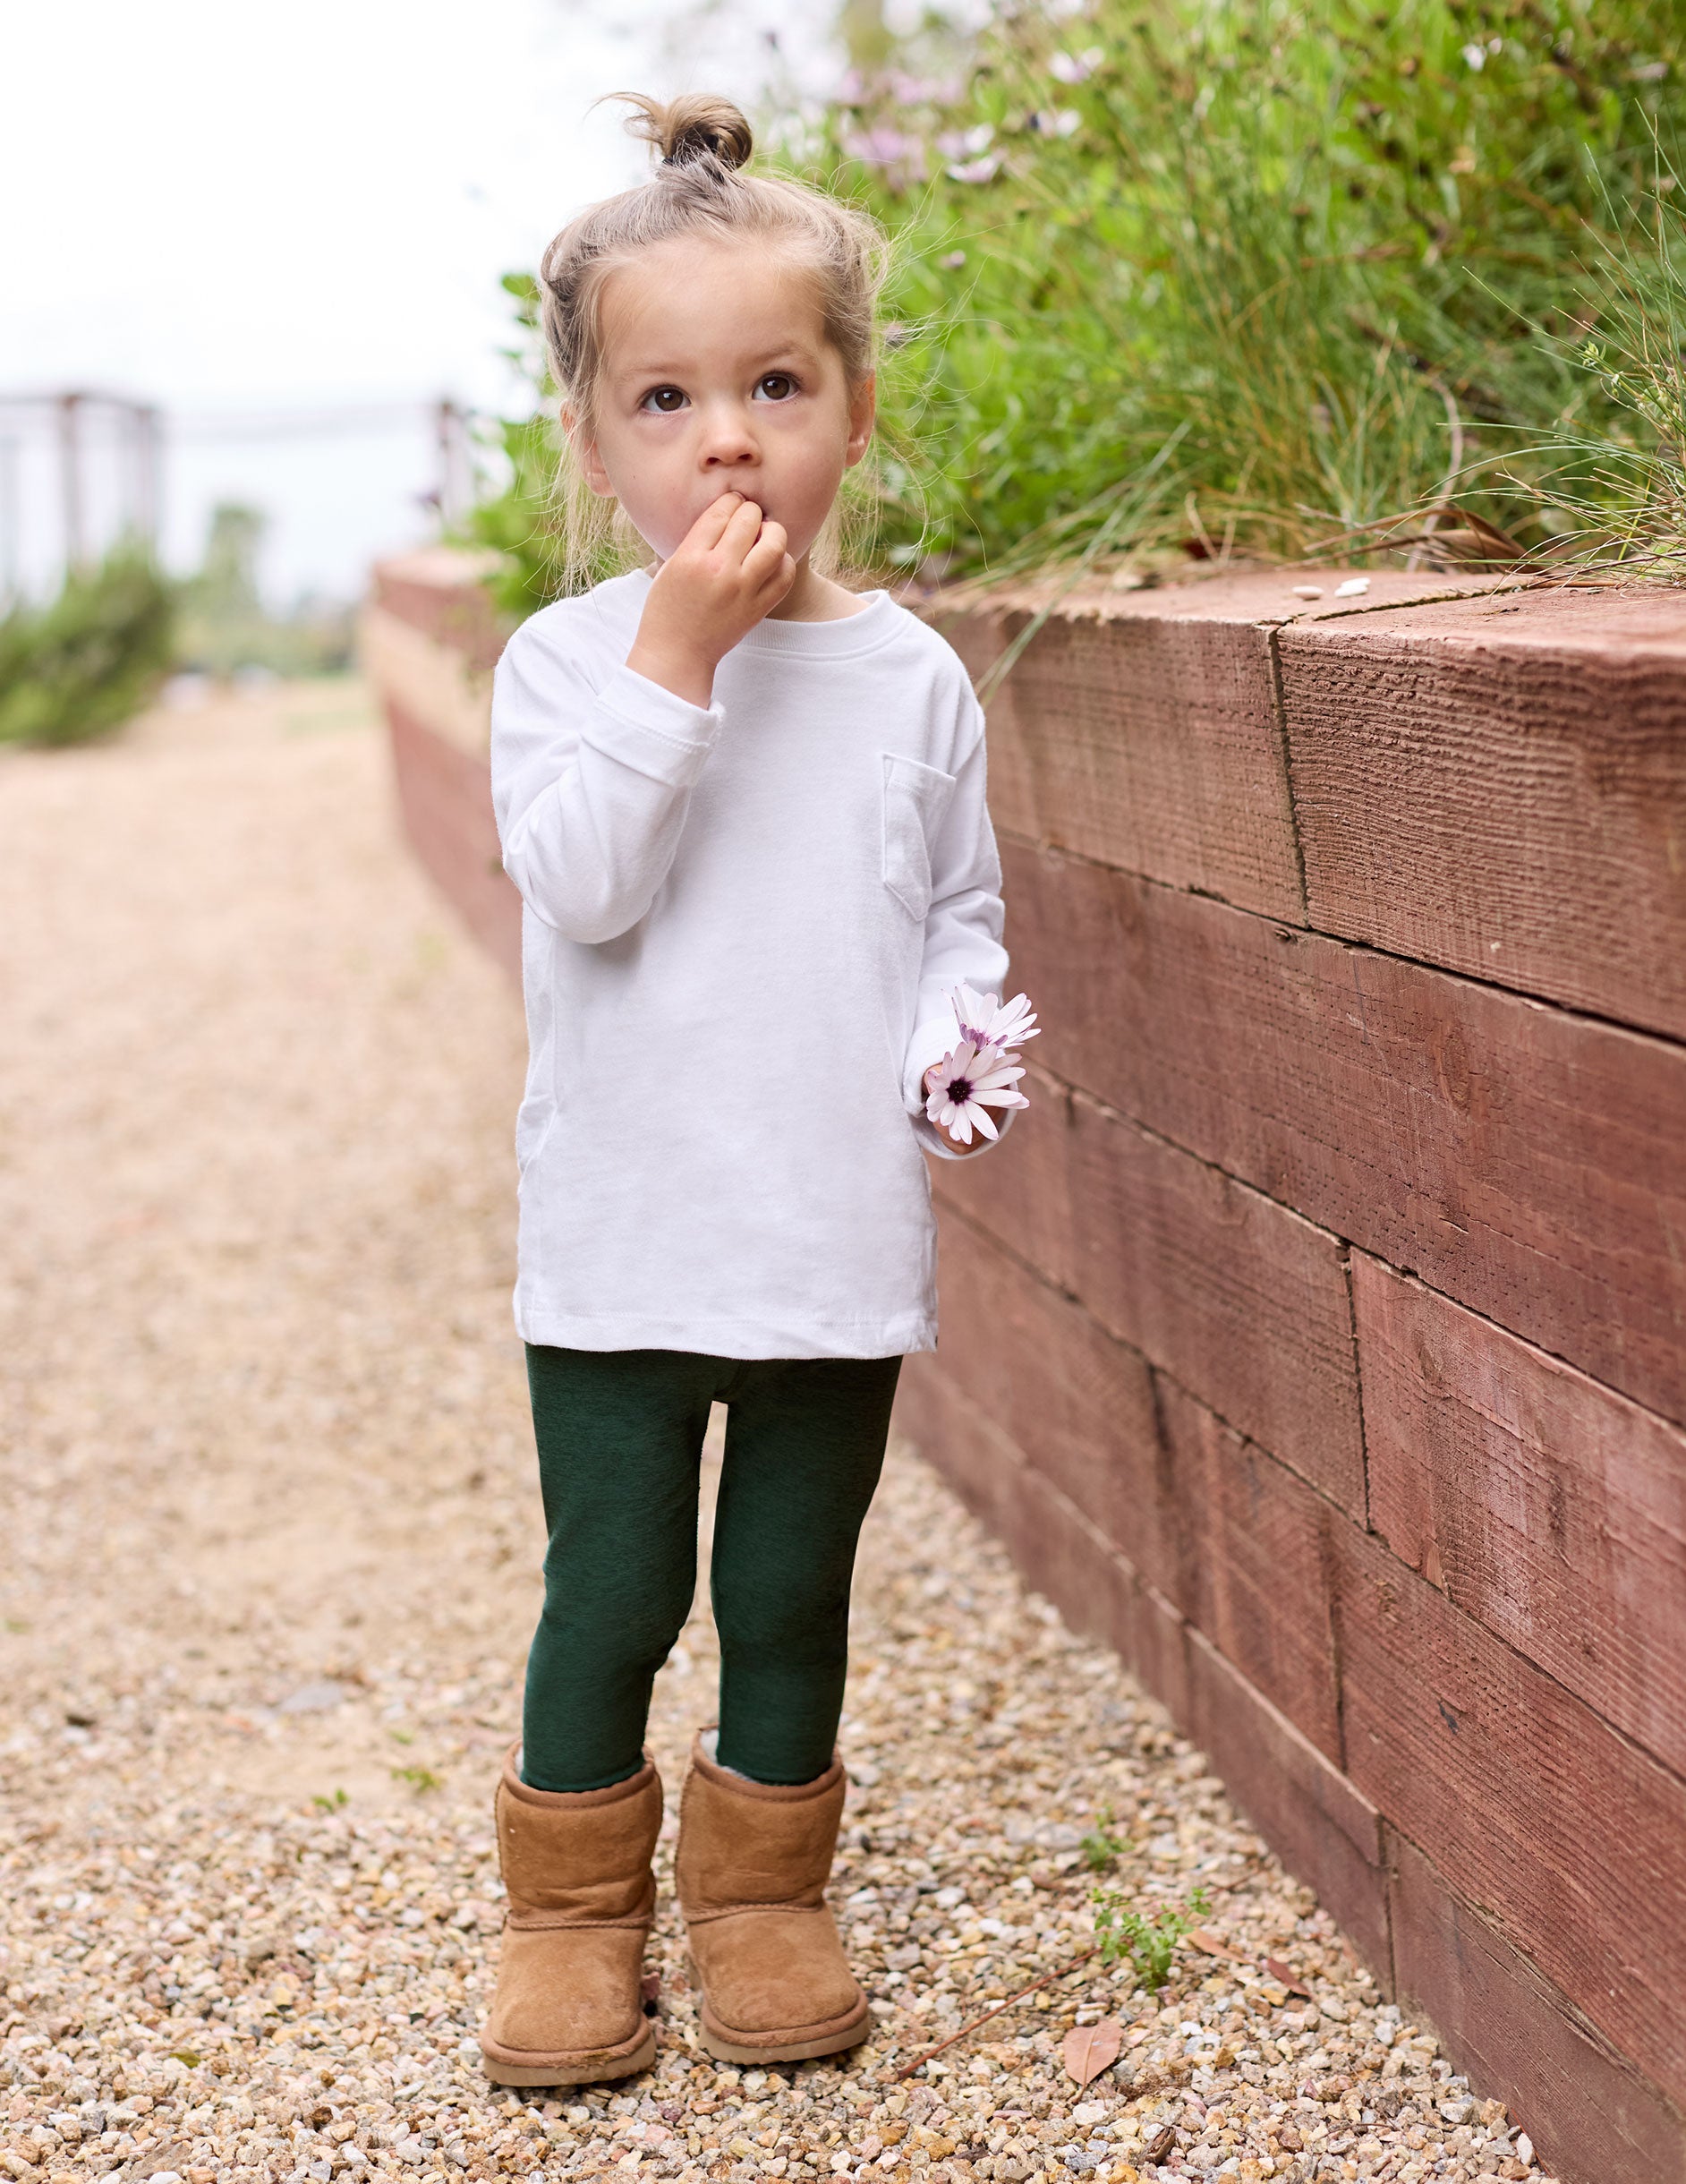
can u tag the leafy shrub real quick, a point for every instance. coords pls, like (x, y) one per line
(1249, 276)
(1321, 247)
(92, 660)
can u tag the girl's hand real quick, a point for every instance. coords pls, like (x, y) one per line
(728, 571)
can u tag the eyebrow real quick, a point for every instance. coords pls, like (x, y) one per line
(788, 352)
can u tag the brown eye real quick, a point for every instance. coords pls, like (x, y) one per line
(664, 400)
(776, 385)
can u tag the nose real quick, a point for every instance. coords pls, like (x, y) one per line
(727, 443)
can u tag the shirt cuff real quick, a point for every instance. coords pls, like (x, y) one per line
(651, 729)
(936, 1036)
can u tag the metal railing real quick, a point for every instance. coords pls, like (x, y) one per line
(108, 455)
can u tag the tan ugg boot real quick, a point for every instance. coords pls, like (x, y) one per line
(751, 1868)
(568, 2008)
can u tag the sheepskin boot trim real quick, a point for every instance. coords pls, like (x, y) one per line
(752, 1865)
(580, 1855)
(569, 2007)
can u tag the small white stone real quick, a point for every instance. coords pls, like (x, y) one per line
(319, 1698)
(1354, 587)
(1308, 591)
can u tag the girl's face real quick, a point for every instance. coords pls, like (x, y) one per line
(718, 378)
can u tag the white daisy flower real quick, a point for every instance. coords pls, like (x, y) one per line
(964, 1084)
(987, 1022)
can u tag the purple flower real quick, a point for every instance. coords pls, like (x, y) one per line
(1074, 67)
(986, 1021)
(922, 91)
(965, 143)
(902, 157)
(965, 1084)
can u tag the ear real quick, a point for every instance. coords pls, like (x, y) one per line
(586, 455)
(862, 410)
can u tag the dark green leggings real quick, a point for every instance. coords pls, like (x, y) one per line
(620, 1441)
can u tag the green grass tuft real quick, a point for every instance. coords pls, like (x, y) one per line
(1147, 1942)
(1205, 283)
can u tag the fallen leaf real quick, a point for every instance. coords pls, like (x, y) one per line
(1213, 1944)
(1088, 2049)
(1290, 1978)
(1160, 2143)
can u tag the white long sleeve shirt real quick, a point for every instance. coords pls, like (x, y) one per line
(742, 927)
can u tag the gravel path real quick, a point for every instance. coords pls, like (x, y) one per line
(271, 1561)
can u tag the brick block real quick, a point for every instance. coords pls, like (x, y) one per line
(1521, 759)
(1232, 1537)
(1075, 1403)
(1251, 1561)
(1057, 1551)
(1534, 1811)
(1548, 1507)
(1149, 739)
(1324, 1831)
(1240, 1300)
(1530, 1163)
(438, 591)
(1592, 2117)
(445, 800)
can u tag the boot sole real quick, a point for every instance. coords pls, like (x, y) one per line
(574, 2071)
(725, 2049)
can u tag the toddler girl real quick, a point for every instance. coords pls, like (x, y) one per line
(744, 808)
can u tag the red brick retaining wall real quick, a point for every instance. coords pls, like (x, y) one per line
(1321, 1343)
(429, 640)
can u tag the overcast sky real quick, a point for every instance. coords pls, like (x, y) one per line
(228, 208)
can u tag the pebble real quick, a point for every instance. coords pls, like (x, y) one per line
(271, 1446)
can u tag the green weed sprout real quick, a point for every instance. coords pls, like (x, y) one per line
(1148, 1940)
(1101, 1848)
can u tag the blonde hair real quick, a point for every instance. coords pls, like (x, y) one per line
(698, 189)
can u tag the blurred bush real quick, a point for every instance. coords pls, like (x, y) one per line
(84, 664)
(224, 626)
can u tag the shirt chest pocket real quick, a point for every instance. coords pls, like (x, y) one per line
(916, 797)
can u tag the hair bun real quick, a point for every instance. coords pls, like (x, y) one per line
(694, 127)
